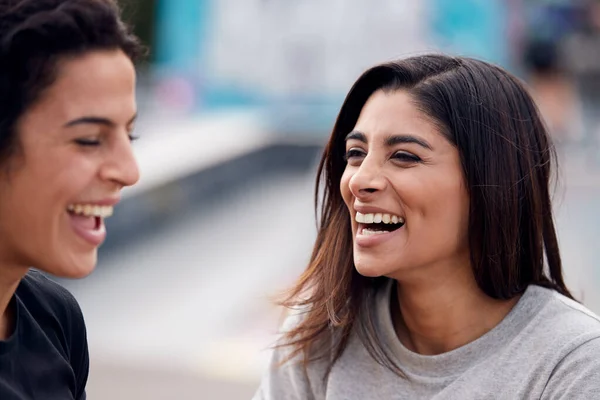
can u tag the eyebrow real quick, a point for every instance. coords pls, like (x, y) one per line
(92, 120)
(391, 140)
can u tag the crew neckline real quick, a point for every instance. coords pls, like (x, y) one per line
(11, 342)
(458, 360)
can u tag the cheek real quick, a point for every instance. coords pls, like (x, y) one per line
(56, 183)
(74, 172)
(345, 188)
(442, 203)
(450, 211)
(464, 215)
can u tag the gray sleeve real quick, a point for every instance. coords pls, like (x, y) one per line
(577, 376)
(290, 380)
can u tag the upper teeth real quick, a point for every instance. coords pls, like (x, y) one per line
(90, 210)
(377, 218)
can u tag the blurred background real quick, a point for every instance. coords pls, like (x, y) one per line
(236, 101)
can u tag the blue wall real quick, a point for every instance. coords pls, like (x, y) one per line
(468, 27)
(180, 33)
(471, 27)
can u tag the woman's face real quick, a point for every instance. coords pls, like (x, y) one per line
(74, 157)
(404, 189)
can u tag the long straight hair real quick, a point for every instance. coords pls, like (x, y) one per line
(506, 158)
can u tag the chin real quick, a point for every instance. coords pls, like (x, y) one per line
(376, 265)
(74, 267)
(368, 269)
(368, 272)
(78, 273)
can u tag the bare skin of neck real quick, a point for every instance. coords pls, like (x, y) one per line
(436, 316)
(9, 280)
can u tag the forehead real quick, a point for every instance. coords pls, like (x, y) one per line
(101, 83)
(394, 113)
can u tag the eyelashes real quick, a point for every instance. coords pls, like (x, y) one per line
(87, 142)
(406, 157)
(356, 155)
(98, 142)
(353, 153)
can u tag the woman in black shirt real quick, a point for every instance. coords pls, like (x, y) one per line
(67, 108)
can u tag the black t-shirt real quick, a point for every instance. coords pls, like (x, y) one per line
(46, 357)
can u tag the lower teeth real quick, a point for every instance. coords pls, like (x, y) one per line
(370, 232)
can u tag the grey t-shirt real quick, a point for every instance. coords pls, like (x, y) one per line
(547, 347)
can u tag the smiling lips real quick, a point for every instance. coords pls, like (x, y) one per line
(376, 224)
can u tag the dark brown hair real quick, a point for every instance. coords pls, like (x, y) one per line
(36, 34)
(506, 157)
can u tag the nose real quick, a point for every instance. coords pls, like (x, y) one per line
(121, 166)
(367, 180)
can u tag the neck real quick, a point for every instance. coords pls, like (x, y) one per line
(440, 316)
(9, 280)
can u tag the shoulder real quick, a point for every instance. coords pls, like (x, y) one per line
(56, 312)
(553, 326)
(569, 318)
(579, 326)
(42, 295)
(566, 335)
(577, 374)
(289, 374)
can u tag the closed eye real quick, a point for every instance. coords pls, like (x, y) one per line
(87, 142)
(406, 157)
(96, 142)
(354, 154)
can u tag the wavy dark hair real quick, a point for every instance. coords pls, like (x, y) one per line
(36, 34)
(507, 159)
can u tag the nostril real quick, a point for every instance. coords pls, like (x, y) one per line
(370, 190)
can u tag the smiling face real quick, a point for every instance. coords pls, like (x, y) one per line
(403, 171)
(74, 157)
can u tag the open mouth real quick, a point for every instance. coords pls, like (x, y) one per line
(88, 216)
(376, 224)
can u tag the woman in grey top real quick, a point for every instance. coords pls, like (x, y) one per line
(436, 272)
